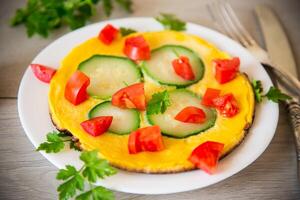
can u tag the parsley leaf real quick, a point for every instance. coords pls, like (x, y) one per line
(42, 16)
(95, 167)
(97, 193)
(55, 142)
(276, 95)
(158, 103)
(126, 31)
(171, 22)
(53, 145)
(258, 89)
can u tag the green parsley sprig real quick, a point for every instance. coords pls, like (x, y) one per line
(273, 94)
(74, 180)
(126, 31)
(56, 142)
(158, 103)
(42, 16)
(171, 22)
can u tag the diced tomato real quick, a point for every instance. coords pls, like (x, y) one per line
(209, 95)
(227, 105)
(75, 91)
(136, 48)
(97, 126)
(132, 96)
(145, 139)
(134, 145)
(108, 34)
(191, 114)
(206, 156)
(43, 73)
(183, 68)
(226, 69)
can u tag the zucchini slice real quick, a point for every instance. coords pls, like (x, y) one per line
(108, 74)
(180, 99)
(124, 120)
(160, 68)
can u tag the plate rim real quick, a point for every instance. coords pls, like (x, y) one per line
(110, 184)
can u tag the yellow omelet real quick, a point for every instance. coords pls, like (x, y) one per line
(174, 158)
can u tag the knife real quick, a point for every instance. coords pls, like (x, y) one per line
(280, 52)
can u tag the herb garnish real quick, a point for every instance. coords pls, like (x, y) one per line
(126, 31)
(158, 103)
(171, 22)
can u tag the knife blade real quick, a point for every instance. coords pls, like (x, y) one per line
(280, 53)
(276, 40)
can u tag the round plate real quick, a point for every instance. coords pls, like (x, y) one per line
(34, 114)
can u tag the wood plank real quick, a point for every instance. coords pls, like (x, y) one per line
(26, 174)
(17, 51)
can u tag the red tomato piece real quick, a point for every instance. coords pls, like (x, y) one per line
(145, 139)
(226, 69)
(97, 126)
(43, 73)
(227, 105)
(206, 156)
(108, 34)
(191, 114)
(134, 145)
(132, 96)
(136, 48)
(209, 95)
(183, 68)
(75, 91)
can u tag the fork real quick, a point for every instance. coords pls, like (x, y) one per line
(225, 17)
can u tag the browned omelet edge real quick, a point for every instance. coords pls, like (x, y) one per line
(169, 171)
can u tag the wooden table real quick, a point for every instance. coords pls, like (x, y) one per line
(26, 174)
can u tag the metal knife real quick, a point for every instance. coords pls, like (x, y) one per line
(280, 52)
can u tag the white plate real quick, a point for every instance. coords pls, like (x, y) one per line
(34, 115)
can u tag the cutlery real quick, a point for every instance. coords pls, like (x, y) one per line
(283, 64)
(225, 17)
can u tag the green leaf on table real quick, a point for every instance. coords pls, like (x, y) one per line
(42, 16)
(68, 188)
(158, 103)
(126, 31)
(64, 174)
(258, 89)
(276, 95)
(95, 167)
(171, 22)
(97, 193)
(53, 145)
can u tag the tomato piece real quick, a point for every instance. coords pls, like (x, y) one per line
(209, 95)
(136, 48)
(75, 91)
(43, 73)
(226, 69)
(132, 96)
(227, 105)
(108, 34)
(206, 156)
(183, 68)
(191, 114)
(145, 139)
(97, 126)
(134, 145)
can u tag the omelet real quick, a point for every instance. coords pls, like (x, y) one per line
(174, 158)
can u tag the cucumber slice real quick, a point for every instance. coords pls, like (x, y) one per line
(180, 99)
(124, 120)
(160, 68)
(108, 74)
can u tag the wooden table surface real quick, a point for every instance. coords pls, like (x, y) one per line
(26, 174)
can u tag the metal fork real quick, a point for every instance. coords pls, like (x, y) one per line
(224, 16)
